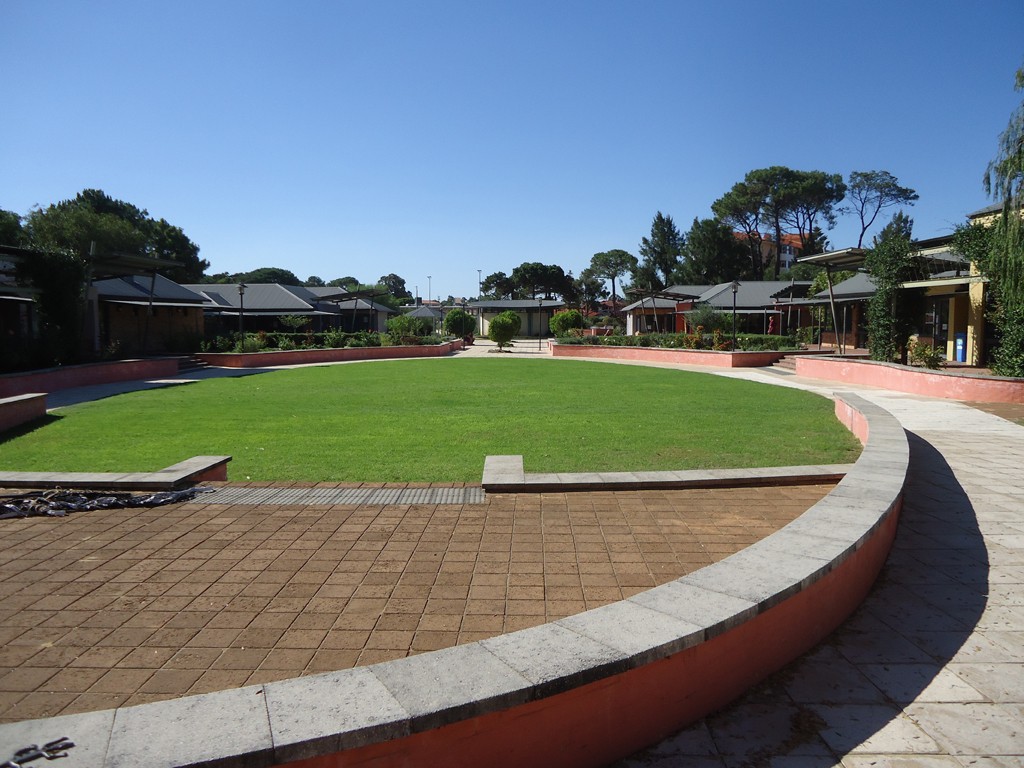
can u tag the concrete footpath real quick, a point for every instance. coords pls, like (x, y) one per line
(930, 671)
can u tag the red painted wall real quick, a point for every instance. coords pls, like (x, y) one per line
(610, 719)
(917, 381)
(53, 379)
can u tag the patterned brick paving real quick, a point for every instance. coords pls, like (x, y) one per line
(108, 608)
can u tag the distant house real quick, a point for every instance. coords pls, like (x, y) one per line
(260, 307)
(791, 250)
(147, 314)
(535, 314)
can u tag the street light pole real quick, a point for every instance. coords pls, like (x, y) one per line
(479, 292)
(735, 287)
(241, 312)
(540, 309)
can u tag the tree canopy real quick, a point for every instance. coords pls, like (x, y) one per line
(93, 219)
(891, 310)
(1004, 262)
(395, 285)
(782, 201)
(870, 193)
(659, 254)
(713, 254)
(611, 265)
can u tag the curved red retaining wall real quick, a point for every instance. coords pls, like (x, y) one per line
(615, 717)
(661, 355)
(949, 385)
(53, 379)
(305, 356)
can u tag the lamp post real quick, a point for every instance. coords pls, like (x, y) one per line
(241, 312)
(428, 289)
(735, 287)
(479, 291)
(540, 329)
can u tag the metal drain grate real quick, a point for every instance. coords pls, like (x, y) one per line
(374, 496)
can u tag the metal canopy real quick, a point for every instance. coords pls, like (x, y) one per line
(845, 258)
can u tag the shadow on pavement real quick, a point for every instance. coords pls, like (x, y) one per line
(849, 693)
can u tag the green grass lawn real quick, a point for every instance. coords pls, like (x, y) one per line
(436, 420)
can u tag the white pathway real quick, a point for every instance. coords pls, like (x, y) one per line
(929, 672)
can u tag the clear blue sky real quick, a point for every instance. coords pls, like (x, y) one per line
(439, 138)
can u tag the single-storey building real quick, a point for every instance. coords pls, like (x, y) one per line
(146, 314)
(534, 313)
(259, 307)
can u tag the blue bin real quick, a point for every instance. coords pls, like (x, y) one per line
(960, 352)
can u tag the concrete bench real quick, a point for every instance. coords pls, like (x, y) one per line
(21, 409)
(198, 469)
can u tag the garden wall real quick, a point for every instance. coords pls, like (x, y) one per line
(951, 385)
(581, 691)
(662, 355)
(270, 358)
(53, 379)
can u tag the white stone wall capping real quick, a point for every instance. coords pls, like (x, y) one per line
(323, 714)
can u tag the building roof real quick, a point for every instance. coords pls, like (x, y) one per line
(145, 288)
(651, 302)
(860, 286)
(424, 311)
(844, 258)
(270, 298)
(683, 291)
(503, 304)
(750, 294)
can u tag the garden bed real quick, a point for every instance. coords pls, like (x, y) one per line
(271, 358)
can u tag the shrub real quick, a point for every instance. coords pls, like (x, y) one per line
(405, 329)
(459, 323)
(504, 327)
(926, 355)
(563, 323)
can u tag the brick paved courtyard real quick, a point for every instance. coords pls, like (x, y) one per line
(115, 607)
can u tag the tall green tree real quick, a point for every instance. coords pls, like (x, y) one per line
(1004, 264)
(870, 193)
(11, 231)
(713, 254)
(497, 285)
(740, 209)
(813, 197)
(891, 261)
(590, 291)
(778, 186)
(659, 254)
(533, 278)
(278, 275)
(395, 285)
(343, 282)
(115, 227)
(612, 265)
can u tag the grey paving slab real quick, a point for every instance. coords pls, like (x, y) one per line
(90, 733)
(321, 714)
(227, 728)
(967, 728)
